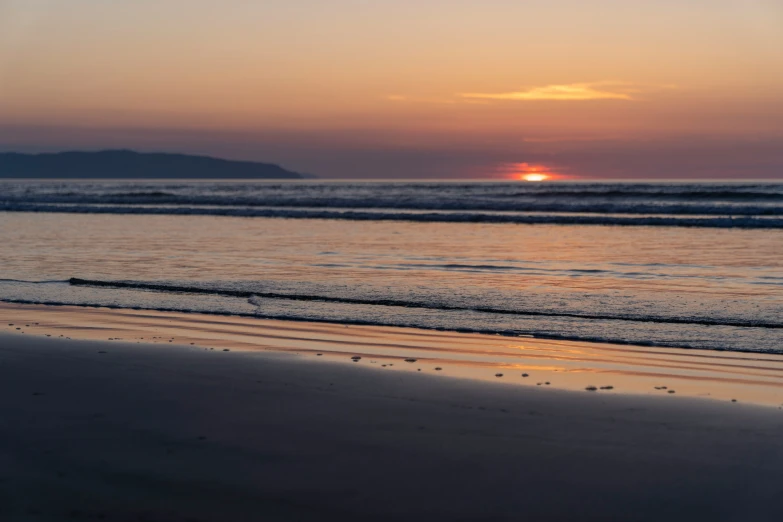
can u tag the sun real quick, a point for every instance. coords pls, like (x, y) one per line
(520, 171)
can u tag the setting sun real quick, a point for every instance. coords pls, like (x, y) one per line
(528, 172)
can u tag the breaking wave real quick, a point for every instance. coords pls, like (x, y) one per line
(715, 205)
(253, 296)
(428, 217)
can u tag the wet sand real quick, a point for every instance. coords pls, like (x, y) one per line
(565, 365)
(268, 430)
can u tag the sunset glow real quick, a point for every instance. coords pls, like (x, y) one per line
(575, 92)
(529, 172)
(391, 260)
(404, 88)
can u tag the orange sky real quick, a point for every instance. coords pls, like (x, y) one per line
(427, 88)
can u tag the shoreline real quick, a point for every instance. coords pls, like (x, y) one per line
(566, 365)
(457, 331)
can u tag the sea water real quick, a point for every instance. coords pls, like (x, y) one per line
(696, 265)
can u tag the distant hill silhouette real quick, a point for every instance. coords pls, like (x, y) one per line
(127, 164)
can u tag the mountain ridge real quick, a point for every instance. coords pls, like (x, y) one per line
(129, 164)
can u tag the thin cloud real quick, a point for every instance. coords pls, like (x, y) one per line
(569, 92)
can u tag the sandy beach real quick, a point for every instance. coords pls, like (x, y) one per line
(391, 261)
(135, 430)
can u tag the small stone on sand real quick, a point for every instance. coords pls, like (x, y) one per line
(591, 388)
(498, 375)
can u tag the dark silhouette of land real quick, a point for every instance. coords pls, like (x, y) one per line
(127, 164)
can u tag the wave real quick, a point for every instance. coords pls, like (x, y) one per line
(469, 201)
(149, 194)
(532, 268)
(747, 222)
(252, 295)
(26, 281)
(422, 202)
(668, 193)
(376, 322)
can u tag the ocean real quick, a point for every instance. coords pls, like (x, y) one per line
(688, 265)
